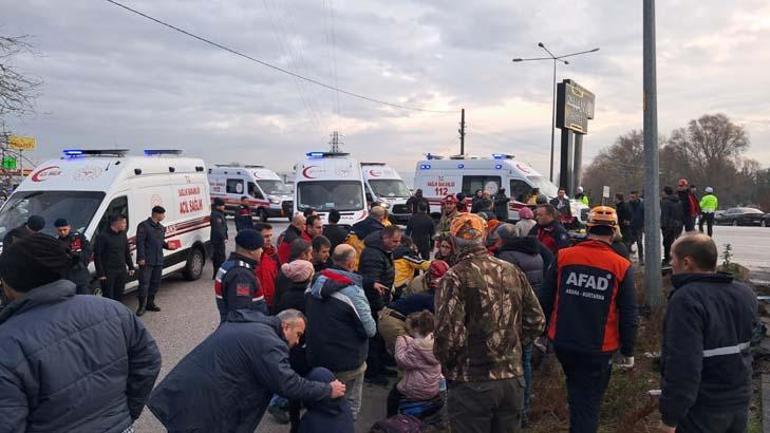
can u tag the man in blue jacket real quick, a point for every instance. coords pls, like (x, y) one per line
(705, 362)
(68, 363)
(225, 384)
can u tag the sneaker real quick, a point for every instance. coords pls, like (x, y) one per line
(279, 415)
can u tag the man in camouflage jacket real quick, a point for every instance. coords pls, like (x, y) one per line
(485, 311)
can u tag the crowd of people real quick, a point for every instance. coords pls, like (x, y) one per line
(454, 310)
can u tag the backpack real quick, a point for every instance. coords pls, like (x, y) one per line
(397, 424)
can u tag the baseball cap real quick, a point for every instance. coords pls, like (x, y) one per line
(709, 189)
(468, 226)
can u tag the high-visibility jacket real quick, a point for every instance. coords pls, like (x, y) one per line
(590, 301)
(709, 203)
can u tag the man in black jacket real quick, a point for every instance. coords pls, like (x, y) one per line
(34, 224)
(376, 266)
(671, 216)
(225, 384)
(415, 201)
(705, 360)
(150, 243)
(421, 228)
(243, 217)
(333, 231)
(112, 256)
(69, 363)
(218, 234)
(501, 205)
(80, 249)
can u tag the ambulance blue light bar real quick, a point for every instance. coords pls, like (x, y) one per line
(153, 152)
(460, 166)
(502, 156)
(315, 155)
(424, 166)
(498, 166)
(72, 152)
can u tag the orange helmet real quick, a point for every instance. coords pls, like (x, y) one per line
(602, 216)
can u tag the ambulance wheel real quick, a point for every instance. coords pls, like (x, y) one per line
(196, 260)
(262, 215)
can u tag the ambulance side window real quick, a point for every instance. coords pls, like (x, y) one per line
(118, 206)
(485, 183)
(519, 190)
(235, 186)
(255, 192)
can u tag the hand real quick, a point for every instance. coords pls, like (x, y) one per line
(380, 288)
(140, 262)
(338, 389)
(626, 362)
(662, 428)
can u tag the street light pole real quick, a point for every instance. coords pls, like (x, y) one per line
(555, 59)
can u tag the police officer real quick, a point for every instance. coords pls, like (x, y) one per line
(218, 235)
(588, 298)
(236, 286)
(150, 243)
(81, 252)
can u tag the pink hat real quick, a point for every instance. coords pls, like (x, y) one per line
(525, 213)
(298, 271)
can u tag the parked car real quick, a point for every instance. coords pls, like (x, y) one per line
(766, 220)
(741, 216)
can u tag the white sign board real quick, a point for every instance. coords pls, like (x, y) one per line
(606, 192)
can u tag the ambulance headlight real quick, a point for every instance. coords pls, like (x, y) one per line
(274, 200)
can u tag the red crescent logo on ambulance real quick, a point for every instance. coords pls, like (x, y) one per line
(306, 174)
(523, 168)
(375, 173)
(45, 172)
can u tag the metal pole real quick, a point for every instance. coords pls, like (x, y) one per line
(553, 117)
(462, 131)
(653, 293)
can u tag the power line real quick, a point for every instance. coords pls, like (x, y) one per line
(271, 66)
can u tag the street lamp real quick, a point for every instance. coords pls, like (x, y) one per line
(555, 59)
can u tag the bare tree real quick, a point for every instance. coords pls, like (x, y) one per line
(17, 91)
(618, 166)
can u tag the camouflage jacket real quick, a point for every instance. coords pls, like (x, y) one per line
(485, 309)
(445, 223)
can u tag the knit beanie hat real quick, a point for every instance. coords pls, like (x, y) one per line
(298, 271)
(34, 261)
(526, 213)
(35, 223)
(249, 239)
(436, 271)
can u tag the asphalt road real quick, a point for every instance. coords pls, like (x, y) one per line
(189, 315)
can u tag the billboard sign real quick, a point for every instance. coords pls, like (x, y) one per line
(574, 107)
(18, 142)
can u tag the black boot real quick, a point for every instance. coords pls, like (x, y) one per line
(142, 304)
(151, 304)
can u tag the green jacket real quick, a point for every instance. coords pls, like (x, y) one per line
(709, 203)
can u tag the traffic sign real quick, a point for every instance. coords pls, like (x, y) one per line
(9, 163)
(19, 142)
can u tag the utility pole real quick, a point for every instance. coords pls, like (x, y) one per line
(335, 143)
(653, 294)
(462, 131)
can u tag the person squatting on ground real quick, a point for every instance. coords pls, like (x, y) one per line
(589, 300)
(706, 365)
(69, 363)
(482, 304)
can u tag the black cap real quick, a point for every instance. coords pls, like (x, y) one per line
(218, 202)
(249, 239)
(35, 223)
(34, 261)
(61, 222)
(158, 209)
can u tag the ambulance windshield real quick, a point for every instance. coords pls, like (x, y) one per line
(327, 195)
(77, 207)
(274, 187)
(389, 188)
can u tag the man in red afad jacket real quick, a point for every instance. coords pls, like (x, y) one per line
(588, 299)
(267, 272)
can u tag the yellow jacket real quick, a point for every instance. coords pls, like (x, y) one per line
(405, 267)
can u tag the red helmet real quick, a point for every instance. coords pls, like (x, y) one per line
(449, 199)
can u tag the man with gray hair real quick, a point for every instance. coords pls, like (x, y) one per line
(225, 384)
(340, 324)
(485, 312)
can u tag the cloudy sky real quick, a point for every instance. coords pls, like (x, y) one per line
(114, 79)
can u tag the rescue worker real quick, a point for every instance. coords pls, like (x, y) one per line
(705, 360)
(581, 196)
(81, 254)
(548, 230)
(34, 224)
(485, 312)
(236, 286)
(218, 235)
(150, 243)
(449, 213)
(589, 300)
(243, 218)
(708, 207)
(112, 258)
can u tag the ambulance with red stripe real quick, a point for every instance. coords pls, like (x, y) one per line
(267, 195)
(87, 186)
(385, 186)
(330, 180)
(438, 176)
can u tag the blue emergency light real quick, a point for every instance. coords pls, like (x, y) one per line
(461, 166)
(498, 166)
(72, 152)
(497, 156)
(315, 155)
(424, 166)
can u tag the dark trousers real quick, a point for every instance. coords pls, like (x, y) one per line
(394, 399)
(149, 280)
(689, 223)
(492, 406)
(115, 284)
(375, 362)
(218, 255)
(587, 379)
(669, 236)
(82, 279)
(711, 420)
(708, 218)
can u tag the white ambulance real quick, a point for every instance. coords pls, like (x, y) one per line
(88, 186)
(267, 195)
(328, 180)
(385, 186)
(438, 176)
